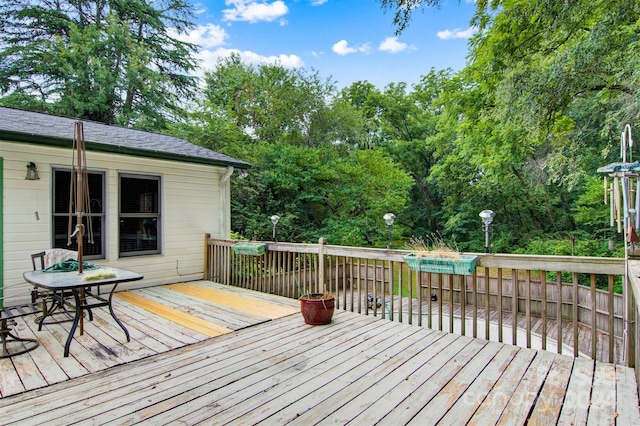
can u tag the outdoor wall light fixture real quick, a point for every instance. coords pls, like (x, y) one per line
(274, 219)
(389, 218)
(242, 173)
(32, 172)
(487, 219)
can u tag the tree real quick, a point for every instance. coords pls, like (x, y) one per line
(402, 121)
(111, 61)
(306, 147)
(272, 103)
(404, 8)
(540, 106)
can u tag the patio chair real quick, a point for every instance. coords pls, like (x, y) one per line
(52, 303)
(10, 343)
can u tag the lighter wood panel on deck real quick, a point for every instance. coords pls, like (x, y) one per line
(255, 307)
(175, 315)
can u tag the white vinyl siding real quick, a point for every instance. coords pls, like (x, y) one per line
(190, 208)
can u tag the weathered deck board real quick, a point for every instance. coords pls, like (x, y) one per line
(576, 402)
(465, 407)
(357, 369)
(494, 402)
(253, 372)
(602, 410)
(552, 395)
(340, 393)
(177, 372)
(585, 339)
(411, 409)
(362, 392)
(442, 402)
(9, 378)
(523, 398)
(626, 404)
(194, 308)
(161, 329)
(103, 344)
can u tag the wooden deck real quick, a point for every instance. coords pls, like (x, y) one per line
(537, 327)
(358, 369)
(159, 319)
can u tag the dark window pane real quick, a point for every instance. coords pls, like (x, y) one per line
(61, 225)
(139, 195)
(139, 215)
(62, 190)
(137, 235)
(61, 195)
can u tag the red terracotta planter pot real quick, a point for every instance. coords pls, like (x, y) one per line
(316, 311)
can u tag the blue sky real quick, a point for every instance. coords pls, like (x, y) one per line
(345, 40)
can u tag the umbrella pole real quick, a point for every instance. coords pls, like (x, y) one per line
(79, 231)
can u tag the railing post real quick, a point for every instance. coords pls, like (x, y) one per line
(321, 243)
(629, 321)
(207, 255)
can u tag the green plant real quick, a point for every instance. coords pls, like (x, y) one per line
(434, 246)
(99, 274)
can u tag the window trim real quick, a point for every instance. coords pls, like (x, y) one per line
(157, 216)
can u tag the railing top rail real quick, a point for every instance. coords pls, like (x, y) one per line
(634, 280)
(579, 264)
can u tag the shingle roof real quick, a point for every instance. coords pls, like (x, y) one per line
(38, 128)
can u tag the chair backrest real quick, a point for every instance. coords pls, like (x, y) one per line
(39, 256)
(49, 257)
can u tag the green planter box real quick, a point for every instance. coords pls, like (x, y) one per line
(249, 249)
(465, 265)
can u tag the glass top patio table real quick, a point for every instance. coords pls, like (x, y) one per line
(77, 284)
(56, 281)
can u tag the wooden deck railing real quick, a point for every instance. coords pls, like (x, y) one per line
(379, 282)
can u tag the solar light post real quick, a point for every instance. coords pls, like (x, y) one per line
(389, 218)
(487, 219)
(274, 219)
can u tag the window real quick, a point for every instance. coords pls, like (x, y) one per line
(61, 195)
(139, 215)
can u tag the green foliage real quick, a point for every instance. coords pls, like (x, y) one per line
(548, 88)
(404, 8)
(317, 192)
(308, 148)
(108, 61)
(584, 245)
(270, 102)
(523, 128)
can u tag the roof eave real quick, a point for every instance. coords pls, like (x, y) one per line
(116, 149)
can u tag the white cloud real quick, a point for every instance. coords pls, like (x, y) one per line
(209, 58)
(199, 8)
(318, 2)
(255, 11)
(457, 33)
(342, 48)
(205, 36)
(391, 44)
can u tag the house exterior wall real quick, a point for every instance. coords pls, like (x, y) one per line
(190, 207)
